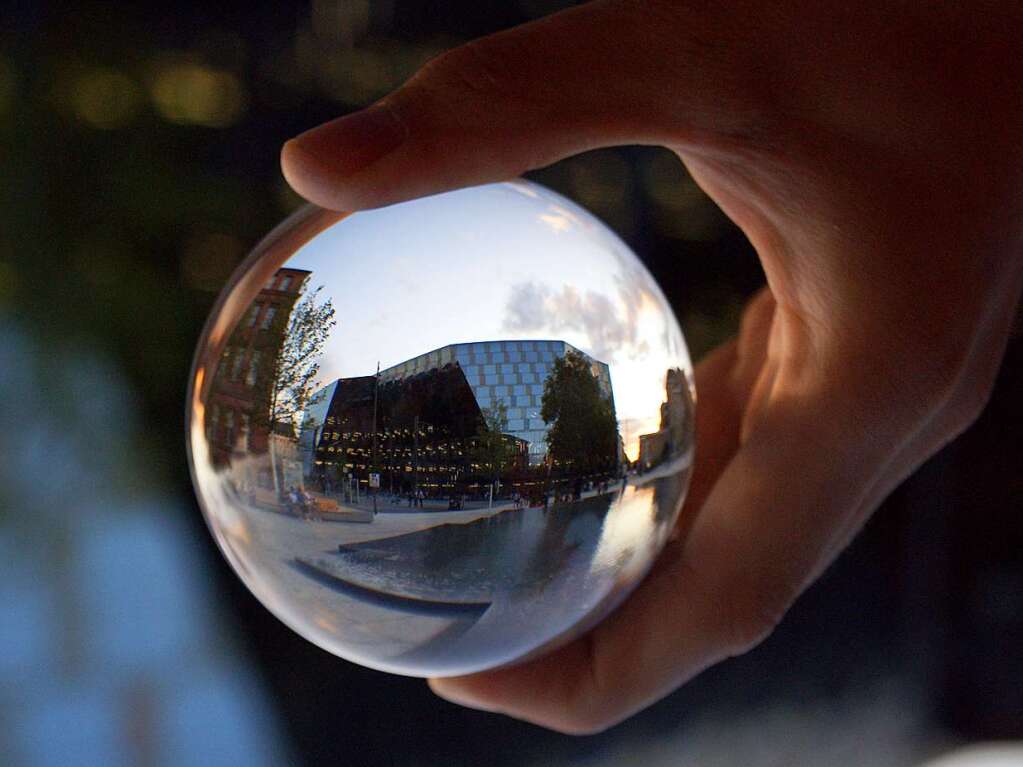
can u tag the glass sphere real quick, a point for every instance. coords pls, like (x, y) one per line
(446, 435)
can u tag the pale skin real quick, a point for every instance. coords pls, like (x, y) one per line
(873, 155)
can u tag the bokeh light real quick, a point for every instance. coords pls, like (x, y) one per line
(189, 93)
(106, 98)
(681, 210)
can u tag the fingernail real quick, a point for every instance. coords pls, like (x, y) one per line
(346, 145)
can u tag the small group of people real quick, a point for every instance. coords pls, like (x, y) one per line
(300, 503)
(416, 497)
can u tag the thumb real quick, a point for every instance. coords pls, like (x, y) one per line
(601, 74)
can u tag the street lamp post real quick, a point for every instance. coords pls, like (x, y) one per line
(376, 386)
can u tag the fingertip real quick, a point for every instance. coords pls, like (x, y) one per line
(460, 691)
(308, 176)
(320, 163)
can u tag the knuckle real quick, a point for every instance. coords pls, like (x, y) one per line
(472, 68)
(750, 629)
(969, 399)
(752, 616)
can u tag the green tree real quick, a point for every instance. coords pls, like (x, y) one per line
(296, 362)
(583, 433)
(492, 449)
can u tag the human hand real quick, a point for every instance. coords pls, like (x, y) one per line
(872, 155)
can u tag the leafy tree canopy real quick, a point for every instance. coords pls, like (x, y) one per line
(493, 452)
(297, 360)
(583, 434)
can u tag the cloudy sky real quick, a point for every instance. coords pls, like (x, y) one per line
(497, 262)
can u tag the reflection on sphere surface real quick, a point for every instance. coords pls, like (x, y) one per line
(446, 435)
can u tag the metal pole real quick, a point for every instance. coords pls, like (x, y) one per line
(376, 386)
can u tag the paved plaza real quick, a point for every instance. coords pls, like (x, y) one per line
(442, 591)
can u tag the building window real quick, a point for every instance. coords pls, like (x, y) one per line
(268, 317)
(285, 283)
(236, 364)
(229, 427)
(252, 376)
(253, 314)
(214, 422)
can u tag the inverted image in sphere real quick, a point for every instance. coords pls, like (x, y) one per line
(446, 435)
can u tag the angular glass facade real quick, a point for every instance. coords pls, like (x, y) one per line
(512, 372)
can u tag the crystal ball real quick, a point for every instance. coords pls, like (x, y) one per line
(446, 435)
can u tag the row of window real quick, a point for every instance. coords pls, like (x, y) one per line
(511, 346)
(227, 427)
(505, 390)
(518, 424)
(522, 401)
(261, 313)
(523, 412)
(500, 380)
(282, 282)
(535, 371)
(424, 427)
(238, 361)
(482, 352)
(384, 451)
(466, 358)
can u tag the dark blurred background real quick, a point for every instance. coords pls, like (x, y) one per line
(138, 164)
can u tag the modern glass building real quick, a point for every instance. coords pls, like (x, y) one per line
(512, 372)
